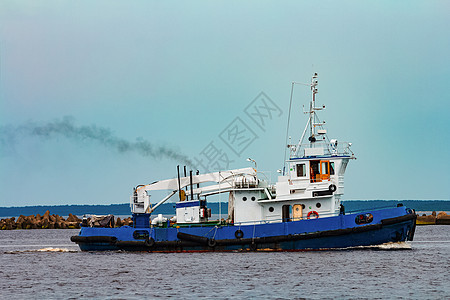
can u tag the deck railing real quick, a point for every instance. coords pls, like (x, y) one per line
(332, 149)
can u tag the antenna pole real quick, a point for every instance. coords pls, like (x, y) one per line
(312, 113)
(287, 128)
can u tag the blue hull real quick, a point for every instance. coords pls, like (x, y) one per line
(343, 231)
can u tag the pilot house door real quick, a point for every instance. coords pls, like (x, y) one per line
(325, 170)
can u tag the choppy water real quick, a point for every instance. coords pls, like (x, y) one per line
(44, 264)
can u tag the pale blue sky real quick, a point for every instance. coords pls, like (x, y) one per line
(178, 73)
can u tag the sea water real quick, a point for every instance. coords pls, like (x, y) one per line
(45, 264)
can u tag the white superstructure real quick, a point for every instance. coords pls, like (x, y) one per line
(310, 186)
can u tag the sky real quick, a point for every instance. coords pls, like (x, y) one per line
(97, 97)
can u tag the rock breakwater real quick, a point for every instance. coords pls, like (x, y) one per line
(48, 221)
(441, 218)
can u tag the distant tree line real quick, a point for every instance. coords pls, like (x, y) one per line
(169, 208)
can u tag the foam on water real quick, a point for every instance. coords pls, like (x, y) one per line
(386, 246)
(47, 249)
(50, 249)
(395, 246)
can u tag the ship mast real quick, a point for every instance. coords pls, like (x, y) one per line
(311, 120)
(312, 109)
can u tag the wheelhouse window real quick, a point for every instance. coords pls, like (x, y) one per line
(324, 167)
(321, 170)
(314, 170)
(324, 170)
(301, 170)
(331, 168)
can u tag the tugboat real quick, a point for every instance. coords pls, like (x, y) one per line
(301, 211)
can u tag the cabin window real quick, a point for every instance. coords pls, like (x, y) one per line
(331, 168)
(318, 205)
(314, 171)
(253, 198)
(271, 209)
(301, 170)
(320, 170)
(324, 167)
(244, 198)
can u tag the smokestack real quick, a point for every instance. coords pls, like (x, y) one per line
(198, 186)
(185, 175)
(192, 188)
(179, 182)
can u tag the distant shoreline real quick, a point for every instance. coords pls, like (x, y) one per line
(169, 208)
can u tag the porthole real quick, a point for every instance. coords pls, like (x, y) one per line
(244, 198)
(271, 209)
(303, 206)
(318, 205)
(253, 198)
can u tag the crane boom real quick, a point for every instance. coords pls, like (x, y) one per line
(140, 201)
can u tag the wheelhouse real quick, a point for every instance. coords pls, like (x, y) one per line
(314, 170)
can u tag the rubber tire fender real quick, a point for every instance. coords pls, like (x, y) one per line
(239, 234)
(332, 188)
(150, 242)
(212, 243)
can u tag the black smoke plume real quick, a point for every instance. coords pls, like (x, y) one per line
(66, 128)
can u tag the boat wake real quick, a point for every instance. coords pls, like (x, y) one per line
(48, 249)
(391, 246)
(395, 246)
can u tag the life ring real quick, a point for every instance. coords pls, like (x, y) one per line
(212, 243)
(313, 212)
(332, 188)
(150, 242)
(239, 234)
